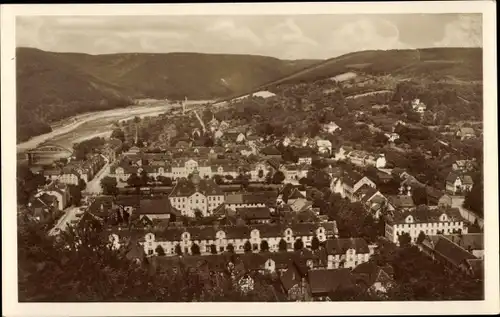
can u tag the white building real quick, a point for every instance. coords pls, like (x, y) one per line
(305, 160)
(331, 127)
(189, 196)
(324, 146)
(347, 253)
(237, 236)
(429, 221)
(391, 137)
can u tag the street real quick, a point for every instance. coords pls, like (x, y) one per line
(70, 214)
(94, 186)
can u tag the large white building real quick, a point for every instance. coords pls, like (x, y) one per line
(430, 221)
(196, 194)
(237, 236)
(347, 253)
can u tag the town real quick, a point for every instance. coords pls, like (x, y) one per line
(273, 198)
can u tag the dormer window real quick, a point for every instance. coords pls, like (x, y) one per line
(185, 235)
(150, 236)
(409, 219)
(321, 230)
(444, 217)
(288, 231)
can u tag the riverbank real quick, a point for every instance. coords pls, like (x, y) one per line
(84, 125)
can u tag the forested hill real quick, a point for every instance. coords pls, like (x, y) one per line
(49, 89)
(52, 86)
(463, 64)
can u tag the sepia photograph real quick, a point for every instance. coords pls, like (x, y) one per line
(227, 154)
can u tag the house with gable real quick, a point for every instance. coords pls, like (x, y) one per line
(375, 278)
(331, 127)
(465, 133)
(347, 252)
(43, 207)
(464, 166)
(457, 183)
(418, 106)
(324, 146)
(351, 182)
(60, 191)
(196, 194)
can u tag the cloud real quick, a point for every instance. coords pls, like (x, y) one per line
(466, 31)
(286, 37)
(230, 31)
(287, 40)
(366, 34)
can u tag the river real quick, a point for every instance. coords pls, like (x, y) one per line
(100, 123)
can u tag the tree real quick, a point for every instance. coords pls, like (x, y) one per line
(315, 243)
(247, 247)
(213, 249)
(261, 173)
(159, 250)
(404, 240)
(304, 181)
(76, 194)
(44, 275)
(421, 237)
(165, 181)
(27, 183)
(298, 245)
(419, 196)
(230, 248)
(178, 249)
(134, 180)
(278, 177)
(282, 246)
(109, 185)
(264, 246)
(144, 179)
(218, 179)
(118, 134)
(81, 184)
(198, 214)
(195, 249)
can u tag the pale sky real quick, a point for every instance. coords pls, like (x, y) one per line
(285, 37)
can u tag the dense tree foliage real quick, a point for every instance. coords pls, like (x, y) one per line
(100, 273)
(109, 185)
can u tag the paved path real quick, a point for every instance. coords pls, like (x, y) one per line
(457, 202)
(201, 121)
(94, 186)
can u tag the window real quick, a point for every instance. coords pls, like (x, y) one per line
(150, 251)
(221, 249)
